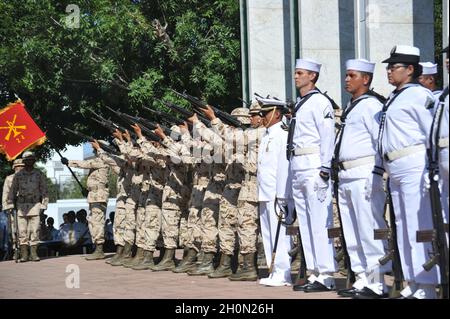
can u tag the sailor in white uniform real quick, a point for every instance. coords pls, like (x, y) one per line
(273, 184)
(402, 143)
(429, 77)
(310, 148)
(361, 193)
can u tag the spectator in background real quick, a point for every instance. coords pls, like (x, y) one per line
(52, 231)
(65, 219)
(82, 216)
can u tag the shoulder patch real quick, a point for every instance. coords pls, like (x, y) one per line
(327, 114)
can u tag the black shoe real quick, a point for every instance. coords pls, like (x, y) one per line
(350, 292)
(301, 287)
(367, 293)
(317, 287)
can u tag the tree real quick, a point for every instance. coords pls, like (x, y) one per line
(121, 54)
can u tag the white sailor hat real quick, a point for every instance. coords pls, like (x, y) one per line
(361, 65)
(429, 68)
(308, 64)
(404, 54)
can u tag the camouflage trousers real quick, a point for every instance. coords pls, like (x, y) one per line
(148, 220)
(119, 222)
(130, 221)
(247, 226)
(227, 225)
(193, 233)
(96, 222)
(170, 220)
(209, 216)
(28, 230)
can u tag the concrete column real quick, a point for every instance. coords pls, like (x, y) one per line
(327, 36)
(389, 23)
(269, 48)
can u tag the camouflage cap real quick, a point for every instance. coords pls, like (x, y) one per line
(255, 108)
(28, 155)
(241, 113)
(18, 163)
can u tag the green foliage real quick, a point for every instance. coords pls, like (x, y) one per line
(115, 57)
(71, 190)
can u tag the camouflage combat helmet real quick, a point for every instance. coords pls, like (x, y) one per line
(241, 113)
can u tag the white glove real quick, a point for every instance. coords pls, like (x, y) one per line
(426, 182)
(321, 187)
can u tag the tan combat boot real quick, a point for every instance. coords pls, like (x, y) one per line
(205, 268)
(136, 260)
(97, 254)
(126, 254)
(224, 269)
(167, 262)
(23, 253)
(248, 270)
(147, 262)
(33, 253)
(117, 255)
(187, 263)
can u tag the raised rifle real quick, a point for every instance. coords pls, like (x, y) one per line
(165, 117)
(199, 104)
(130, 120)
(185, 113)
(102, 144)
(153, 126)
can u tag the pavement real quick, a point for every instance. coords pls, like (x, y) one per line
(73, 277)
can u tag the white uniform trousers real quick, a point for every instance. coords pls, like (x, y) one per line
(412, 209)
(269, 222)
(361, 213)
(314, 219)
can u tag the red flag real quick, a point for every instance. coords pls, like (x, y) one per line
(18, 131)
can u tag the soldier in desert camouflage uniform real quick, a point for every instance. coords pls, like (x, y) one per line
(97, 185)
(29, 194)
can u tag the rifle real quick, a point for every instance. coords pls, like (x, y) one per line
(199, 104)
(301, 275)
(185, 113)
(437, 236)
(163, 116)
(153, 126)
(396, 263)
(333, 103)
(102, 144)
(130, 120)
(339, 231)
(14, 231)
(84, 191)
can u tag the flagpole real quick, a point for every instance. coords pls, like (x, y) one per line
(84, 191)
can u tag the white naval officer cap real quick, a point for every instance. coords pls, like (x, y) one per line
(429, 68)
(361, 65)
(270, 103)
(404, 54)
(308, 64)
